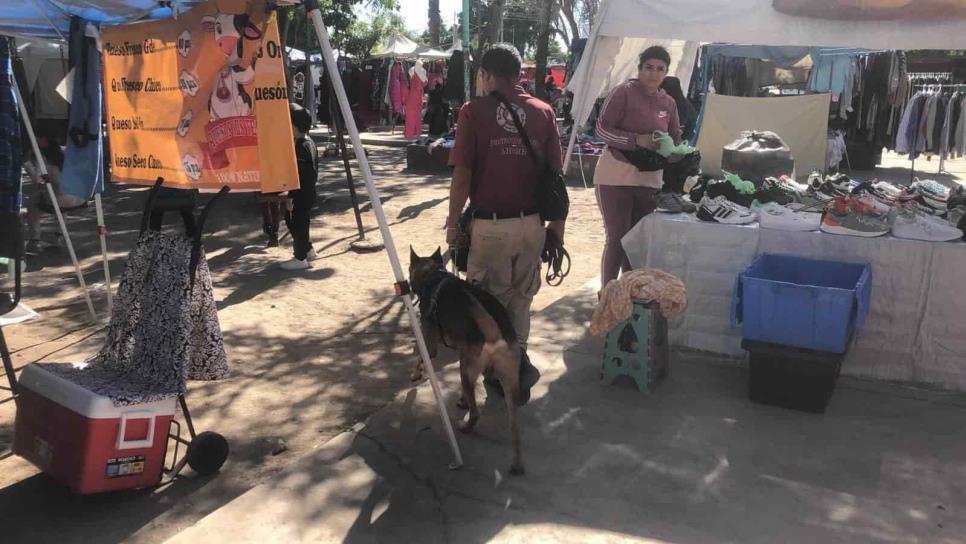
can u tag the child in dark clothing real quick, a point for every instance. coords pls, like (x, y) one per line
(307, 157)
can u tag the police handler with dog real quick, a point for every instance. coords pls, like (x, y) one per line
(494, 170)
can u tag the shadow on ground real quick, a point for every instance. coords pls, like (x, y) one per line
(693, 462)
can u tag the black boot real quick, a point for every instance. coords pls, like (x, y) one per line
(529, 376)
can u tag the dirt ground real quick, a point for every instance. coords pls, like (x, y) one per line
(312, 353)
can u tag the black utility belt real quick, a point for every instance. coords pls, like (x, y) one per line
(480, 214)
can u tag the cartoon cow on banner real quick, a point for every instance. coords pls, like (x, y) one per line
(229, 97)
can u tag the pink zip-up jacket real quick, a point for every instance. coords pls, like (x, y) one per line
(627, 112)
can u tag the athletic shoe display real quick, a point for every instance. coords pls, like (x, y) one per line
(854, 217)
(739, 194)
(914, 195)
(806, 199)
(722, 210)
(935, 194)
(696, 193)
(910, 223)
(887, 190)
(673, 203)
(840, 184)
(867, 192)
(776, 216)
(777, 191)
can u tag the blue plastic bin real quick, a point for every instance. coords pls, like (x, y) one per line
(802, 303)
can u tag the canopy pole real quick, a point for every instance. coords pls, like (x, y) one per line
(42, 166)
(102, 233)
(570, 147)
(589, 51)
(313, 12)
(466, 51)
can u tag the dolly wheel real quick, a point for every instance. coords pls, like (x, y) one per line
(207, 453)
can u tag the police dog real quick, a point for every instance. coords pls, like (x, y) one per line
(473, 321)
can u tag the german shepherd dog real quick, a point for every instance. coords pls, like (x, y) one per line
(473, 321)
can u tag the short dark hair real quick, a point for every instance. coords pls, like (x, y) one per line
(502, 60)
(655, 52)
(301, 119)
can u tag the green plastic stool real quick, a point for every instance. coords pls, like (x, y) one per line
(637, 348)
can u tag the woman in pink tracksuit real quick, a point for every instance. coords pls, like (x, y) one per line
(627, 121)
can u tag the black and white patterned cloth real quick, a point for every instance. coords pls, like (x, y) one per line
(162, 332)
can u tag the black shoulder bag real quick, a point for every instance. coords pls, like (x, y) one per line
(551, 193)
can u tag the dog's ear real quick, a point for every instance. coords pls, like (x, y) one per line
(412, 254)
(438, 255)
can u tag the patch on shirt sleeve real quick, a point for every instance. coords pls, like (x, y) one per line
(662, 114)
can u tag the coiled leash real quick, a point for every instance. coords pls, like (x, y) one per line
(555, 256)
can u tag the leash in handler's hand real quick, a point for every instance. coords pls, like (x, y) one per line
(555, 256)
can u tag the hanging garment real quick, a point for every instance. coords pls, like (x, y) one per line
(83, 173)
(395, 87)
(454, 78)
(830, 72)
(937, 134)
(414, 105)
(11, 195)
(162, 332)
(961, 131)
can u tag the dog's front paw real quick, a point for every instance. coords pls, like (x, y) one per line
(517, 470)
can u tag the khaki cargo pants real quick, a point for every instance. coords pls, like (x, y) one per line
(505, 260)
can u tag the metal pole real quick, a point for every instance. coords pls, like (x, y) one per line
(102, 232)
(466, 50)
(361, 243)
(313, 12)
(42, 166)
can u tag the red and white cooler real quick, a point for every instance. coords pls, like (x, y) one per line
(82, 440)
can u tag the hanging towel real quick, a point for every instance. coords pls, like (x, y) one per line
(162, 333)
(647, 284)
(83, 174)
(10, 158)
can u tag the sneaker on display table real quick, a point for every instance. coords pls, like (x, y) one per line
(912, 224)
(934, 193)
(673, 203)
(721, 210)
(778, 217)
(854, 217)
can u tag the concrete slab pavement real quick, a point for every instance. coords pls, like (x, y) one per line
(693, 462)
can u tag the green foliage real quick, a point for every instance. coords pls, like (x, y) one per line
(347, 32)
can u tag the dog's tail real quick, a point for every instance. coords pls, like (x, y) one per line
(494, 335)
(487, 325)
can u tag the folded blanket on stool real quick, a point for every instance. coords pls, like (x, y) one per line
(647, 284)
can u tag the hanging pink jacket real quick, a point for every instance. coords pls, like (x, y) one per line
(395, 87)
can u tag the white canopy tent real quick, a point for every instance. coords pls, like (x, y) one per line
(399, 46)
(625, 27)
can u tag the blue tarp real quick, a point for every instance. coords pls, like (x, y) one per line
(30, 18)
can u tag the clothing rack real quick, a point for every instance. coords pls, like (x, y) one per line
(938, 88)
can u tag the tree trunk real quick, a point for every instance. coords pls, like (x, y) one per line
(434, 23)
(568, 9)
(547, 8)
(496, 21)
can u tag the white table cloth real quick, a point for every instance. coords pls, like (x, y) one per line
(916, 329)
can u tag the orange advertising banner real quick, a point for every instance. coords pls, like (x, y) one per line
(200, 100)
(874, 10)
